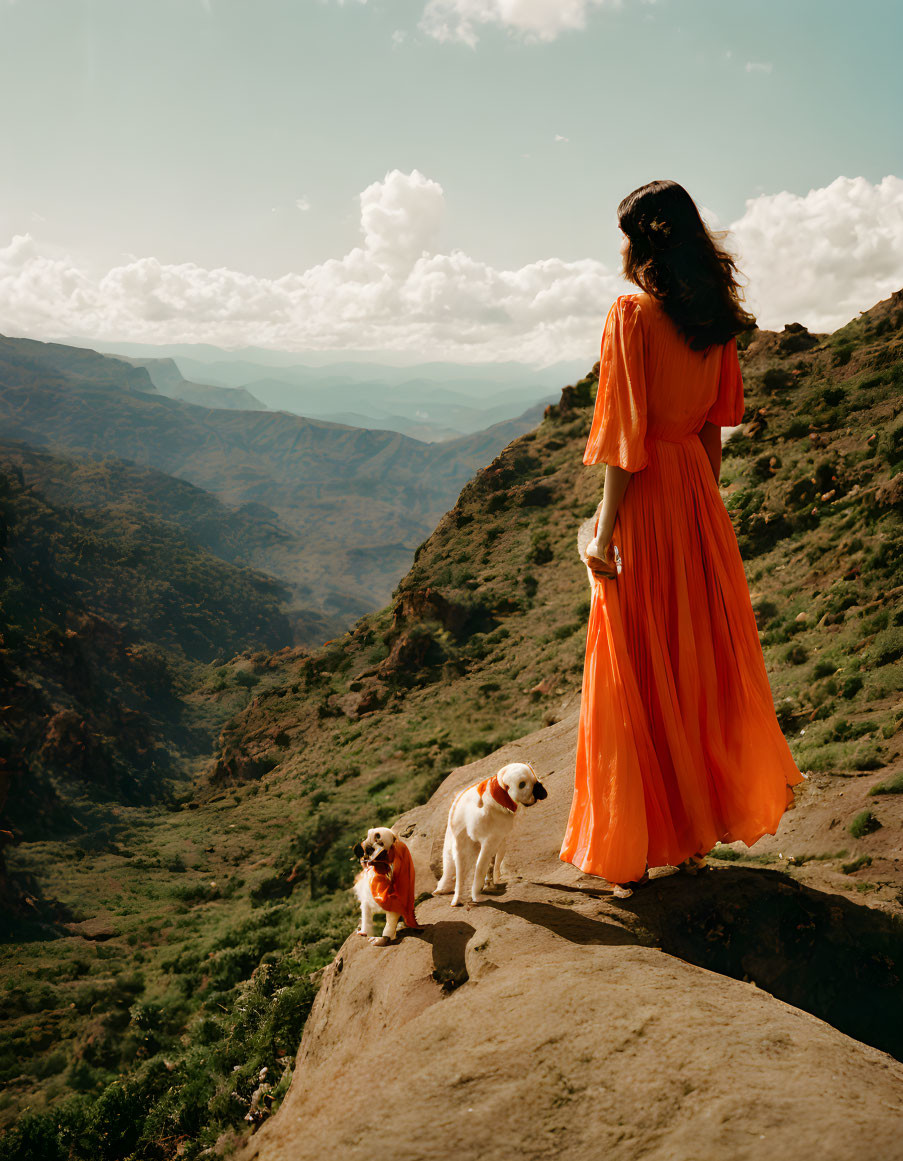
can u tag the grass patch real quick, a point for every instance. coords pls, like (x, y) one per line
(891, 786)
(864, 823)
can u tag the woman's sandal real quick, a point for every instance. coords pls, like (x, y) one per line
(625, 890)
(694, 865)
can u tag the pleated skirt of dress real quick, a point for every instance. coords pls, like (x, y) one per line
(678, 745)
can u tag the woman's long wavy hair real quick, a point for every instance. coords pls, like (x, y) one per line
(675, 259)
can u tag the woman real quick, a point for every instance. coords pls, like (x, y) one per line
(678, 746)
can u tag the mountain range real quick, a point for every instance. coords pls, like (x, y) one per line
(345, 507)
(427, 401)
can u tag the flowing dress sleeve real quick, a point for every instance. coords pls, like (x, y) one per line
(727, 410)
(618, 431)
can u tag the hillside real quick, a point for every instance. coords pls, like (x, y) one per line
(315, 480)
(118, 492)
(110, 618)
(205, 977)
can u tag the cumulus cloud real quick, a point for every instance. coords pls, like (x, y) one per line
(393, 292)
(821, 258)
(533, 19)
(758, 66)
(817, 259)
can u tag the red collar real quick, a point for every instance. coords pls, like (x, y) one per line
(498, 792)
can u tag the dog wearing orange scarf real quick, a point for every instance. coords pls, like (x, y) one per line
(385, 883)
(479, 822)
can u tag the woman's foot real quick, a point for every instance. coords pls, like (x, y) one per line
(625, 890)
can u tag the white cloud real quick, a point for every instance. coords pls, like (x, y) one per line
(822, 258)
(302, 204)
(758, 66)
(533, 19)
(817, 259)
(392, 292)
(558, 137)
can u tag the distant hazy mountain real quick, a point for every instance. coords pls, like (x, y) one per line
(350, 365)
(23, 359)
(168, 379)
(420, 408)
(427, 401)
(355, 502)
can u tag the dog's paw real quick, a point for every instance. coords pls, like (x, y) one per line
(456, 902)
(360, 931)
(478, 898)
(380, 940)
(441, 889)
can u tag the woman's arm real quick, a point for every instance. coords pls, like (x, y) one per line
(598, 552)
(710, 437)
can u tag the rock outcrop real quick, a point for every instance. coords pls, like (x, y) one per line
(551, 1021)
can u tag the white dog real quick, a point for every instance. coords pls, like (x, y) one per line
(386, 883)
(480, 822)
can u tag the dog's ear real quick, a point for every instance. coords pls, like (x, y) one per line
(358, 851)
(539, 791)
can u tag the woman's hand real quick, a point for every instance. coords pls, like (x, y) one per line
(600, 560)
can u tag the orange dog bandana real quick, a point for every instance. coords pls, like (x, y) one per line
(498, 792)
(396, 893)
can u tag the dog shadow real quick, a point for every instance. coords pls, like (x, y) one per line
(449, 940)
(567, 924)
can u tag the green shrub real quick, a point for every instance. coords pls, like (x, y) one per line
(887, 646)
(893, 785)
(796, 654)
(725, 854)
(540, 549)
(856, 864)
(864, 823)
(851, 686)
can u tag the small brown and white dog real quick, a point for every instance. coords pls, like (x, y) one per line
(479, 823)
(385, 883)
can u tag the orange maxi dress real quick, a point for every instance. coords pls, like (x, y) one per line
(678, 745)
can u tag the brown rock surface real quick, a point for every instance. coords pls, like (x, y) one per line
(548, 1021)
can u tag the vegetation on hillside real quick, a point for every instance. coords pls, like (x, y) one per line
(219, 910)
(110, 617)
(305, 477)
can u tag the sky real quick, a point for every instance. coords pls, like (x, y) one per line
(437, 178)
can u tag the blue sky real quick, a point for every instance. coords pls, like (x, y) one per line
(150, 145)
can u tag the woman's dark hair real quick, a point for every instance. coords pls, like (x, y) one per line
(675, 259)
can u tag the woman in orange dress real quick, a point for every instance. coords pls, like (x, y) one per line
(678, 747)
